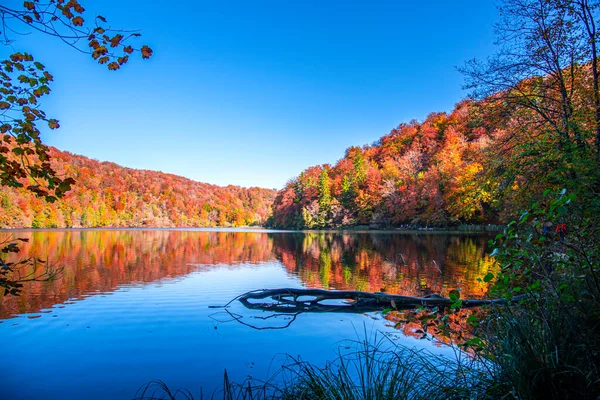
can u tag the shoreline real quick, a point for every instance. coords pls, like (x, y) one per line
(464, 230)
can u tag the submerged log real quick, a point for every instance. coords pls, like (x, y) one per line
(290, 300)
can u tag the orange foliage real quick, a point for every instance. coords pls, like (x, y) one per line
(427, 173)
(108, 195)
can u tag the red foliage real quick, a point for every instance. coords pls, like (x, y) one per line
(108, 195)
(427, 173)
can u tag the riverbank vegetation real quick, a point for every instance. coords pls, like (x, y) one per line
(367, 368)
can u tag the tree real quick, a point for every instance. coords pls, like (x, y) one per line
(24, 81)
(543, 83)
(24, 159)
(324, 199)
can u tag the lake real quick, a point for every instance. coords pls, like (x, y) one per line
(131, 306)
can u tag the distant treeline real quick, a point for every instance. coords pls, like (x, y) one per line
(108, 195)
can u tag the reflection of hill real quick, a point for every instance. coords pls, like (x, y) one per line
(100, 261)
(394, 263)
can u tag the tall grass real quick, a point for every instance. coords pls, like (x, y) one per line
(373, 368)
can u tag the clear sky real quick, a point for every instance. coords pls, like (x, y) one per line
(253, 92)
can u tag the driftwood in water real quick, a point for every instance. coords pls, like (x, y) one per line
(318, 300)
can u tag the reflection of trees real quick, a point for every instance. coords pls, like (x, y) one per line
(408, 265)
(100, 261)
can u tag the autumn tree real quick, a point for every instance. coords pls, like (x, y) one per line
(542, 86)
(24, 81)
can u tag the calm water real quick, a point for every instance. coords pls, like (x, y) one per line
(133, 305)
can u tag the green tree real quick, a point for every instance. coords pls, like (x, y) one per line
(324, 198)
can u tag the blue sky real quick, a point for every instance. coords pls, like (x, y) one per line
(252, 93)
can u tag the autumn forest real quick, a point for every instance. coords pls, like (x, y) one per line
(443, 171)
(451, 252)
(107, 195)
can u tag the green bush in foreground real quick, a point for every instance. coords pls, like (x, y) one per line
(547, 346)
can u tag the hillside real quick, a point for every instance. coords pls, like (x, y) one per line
(426, 173)
(108, 195)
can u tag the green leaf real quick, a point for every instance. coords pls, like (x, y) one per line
(488, 277)
(454, 295)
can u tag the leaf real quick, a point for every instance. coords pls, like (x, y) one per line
(77, 21)
(488, 277)
(77, 7)
(561, 210)
(454, 295)
(67, 12)
(116, 40)
(386, 311)
(146, 52)
(53, 124)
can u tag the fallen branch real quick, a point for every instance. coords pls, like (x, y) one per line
(291, 300)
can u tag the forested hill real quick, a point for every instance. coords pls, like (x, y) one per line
(432, 173)
(108, 195)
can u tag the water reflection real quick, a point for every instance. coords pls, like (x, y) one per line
(103, 260)
(410, 265)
